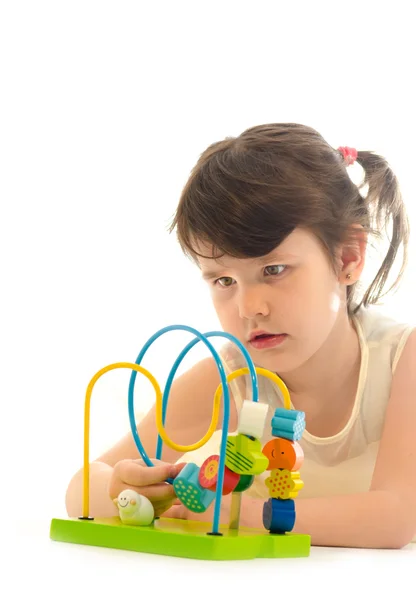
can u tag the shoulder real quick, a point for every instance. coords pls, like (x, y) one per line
(401, 411)
(377, 325)
(406, 363)
(384, 335)
(402, 401)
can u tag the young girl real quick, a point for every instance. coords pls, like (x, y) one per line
(280, 232)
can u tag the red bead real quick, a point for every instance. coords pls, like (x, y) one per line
(208, 476)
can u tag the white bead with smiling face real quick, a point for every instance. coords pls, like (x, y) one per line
(134, 509)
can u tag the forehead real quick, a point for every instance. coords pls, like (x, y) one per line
(296, 245)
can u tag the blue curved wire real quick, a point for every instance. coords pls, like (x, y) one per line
(178, 361)
(133, 376)
(223, 445)
(226, 417)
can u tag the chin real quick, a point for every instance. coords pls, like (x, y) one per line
(271, 363)
(282, 363)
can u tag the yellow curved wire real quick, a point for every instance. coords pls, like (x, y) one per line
(217, 400)
(87, 411)
(159, 423)
(260, 371)
(179, 447)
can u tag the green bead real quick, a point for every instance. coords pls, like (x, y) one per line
(243, 455)
(245, 482)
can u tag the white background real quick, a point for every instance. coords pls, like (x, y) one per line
(105, 108)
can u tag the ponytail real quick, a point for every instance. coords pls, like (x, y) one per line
(386, 208)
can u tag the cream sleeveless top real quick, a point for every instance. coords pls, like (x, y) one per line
(343, 463)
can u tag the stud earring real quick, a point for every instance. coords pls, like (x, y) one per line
(348, 276)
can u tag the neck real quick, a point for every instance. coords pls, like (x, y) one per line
(330, 373)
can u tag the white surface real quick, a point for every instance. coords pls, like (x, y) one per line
(105, 109)
(39, 566)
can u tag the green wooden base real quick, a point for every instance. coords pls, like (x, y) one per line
(186, 539)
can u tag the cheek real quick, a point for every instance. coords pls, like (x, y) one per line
(313, 301)
(322, 308)
(221, 304)
(226, 311)
(334, 303)
(216, 304)
(323, 297)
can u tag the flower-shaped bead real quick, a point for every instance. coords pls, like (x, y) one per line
(208, 476)
(284, 484)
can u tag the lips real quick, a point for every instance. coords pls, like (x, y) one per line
(261, 334)
(266, 341)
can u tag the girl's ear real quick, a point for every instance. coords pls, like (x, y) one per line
(352, 254)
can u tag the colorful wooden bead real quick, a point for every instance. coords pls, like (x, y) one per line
(246, 481)
(134, 509)
(288, 424)
(244, 455)
(283, 454)
(279, 515)
(208, 473)
(284, 484)
(208, 476)
(189, 491)
(252, 419)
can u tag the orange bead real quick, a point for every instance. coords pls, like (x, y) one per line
(208, 476)
(283, 454)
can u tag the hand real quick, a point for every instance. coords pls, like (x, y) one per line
(178, 511)
(147, 481)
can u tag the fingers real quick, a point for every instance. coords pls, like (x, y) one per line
(147, 481)
(161, 507)
(134, 472)
(161, 492)
(138, 475)
(178, 511)
(176, 469)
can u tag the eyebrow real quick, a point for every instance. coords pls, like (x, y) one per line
(278, 258)
(209, 275)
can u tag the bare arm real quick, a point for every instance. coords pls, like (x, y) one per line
(188, 418)
(385, 516)
(369, 520)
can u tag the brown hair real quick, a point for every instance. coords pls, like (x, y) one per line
(246, 194)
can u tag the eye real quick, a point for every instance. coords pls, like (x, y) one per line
(224, 281)
(275, 269)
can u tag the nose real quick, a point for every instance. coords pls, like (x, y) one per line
(252, 302)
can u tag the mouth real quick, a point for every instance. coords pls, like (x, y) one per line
(262, 339)
(123, 505)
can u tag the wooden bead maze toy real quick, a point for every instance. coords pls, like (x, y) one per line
(232, 471)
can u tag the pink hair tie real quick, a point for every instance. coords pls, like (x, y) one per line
(349, 154)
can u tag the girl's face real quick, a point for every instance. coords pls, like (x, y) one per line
(292, 291)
